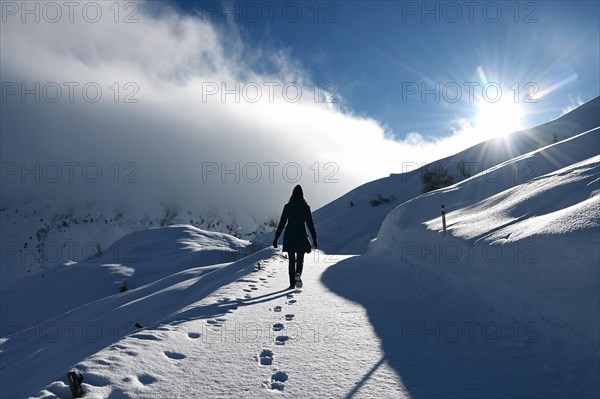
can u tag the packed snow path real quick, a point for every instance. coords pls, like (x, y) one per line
(249, 338)
(403, 335)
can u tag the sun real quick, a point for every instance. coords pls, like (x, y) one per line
(499, 118)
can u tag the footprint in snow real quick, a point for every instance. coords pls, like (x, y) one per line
(277, 309)
(266, 357)
(96, 380)
(148, 337)
(291, 301)
(281, 340)
(277, 380)
(175, 355)
(218, 322)
(117, 393)
(289, 317)
(278, 326)
(146, 379)
(194, 335)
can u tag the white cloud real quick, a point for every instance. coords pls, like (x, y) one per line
(176, 130)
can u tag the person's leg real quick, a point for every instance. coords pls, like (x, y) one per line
(292, 267)
(299, 262)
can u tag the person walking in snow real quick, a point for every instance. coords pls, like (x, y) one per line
(296, 213)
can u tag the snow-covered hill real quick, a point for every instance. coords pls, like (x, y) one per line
(347, 224)
(52, 322)
(523, 244)
(38, 235)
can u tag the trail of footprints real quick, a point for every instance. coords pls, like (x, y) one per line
(93, 376)
(266, 356)
(150, 336)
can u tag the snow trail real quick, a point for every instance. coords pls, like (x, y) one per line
(248, 339)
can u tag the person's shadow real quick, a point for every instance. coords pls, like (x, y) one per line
(221, 308)
(443, 345)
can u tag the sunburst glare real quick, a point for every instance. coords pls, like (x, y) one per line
(498, 118)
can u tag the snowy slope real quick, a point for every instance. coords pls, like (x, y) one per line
(526, 244)
(347, 229)
(78, 309)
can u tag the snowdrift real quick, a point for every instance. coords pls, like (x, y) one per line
(522, 237)
(51, 323)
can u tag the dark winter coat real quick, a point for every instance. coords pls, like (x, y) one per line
(296, 214)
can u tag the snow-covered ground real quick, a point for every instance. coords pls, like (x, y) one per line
(51, 322)
(361, 327)
(505, 304)
(248, 339)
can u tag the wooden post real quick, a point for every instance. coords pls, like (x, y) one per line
(444, 218)
(75, 381)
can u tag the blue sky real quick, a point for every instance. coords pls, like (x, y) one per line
(379, 52)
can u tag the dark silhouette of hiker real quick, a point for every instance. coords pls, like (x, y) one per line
(296, 213)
